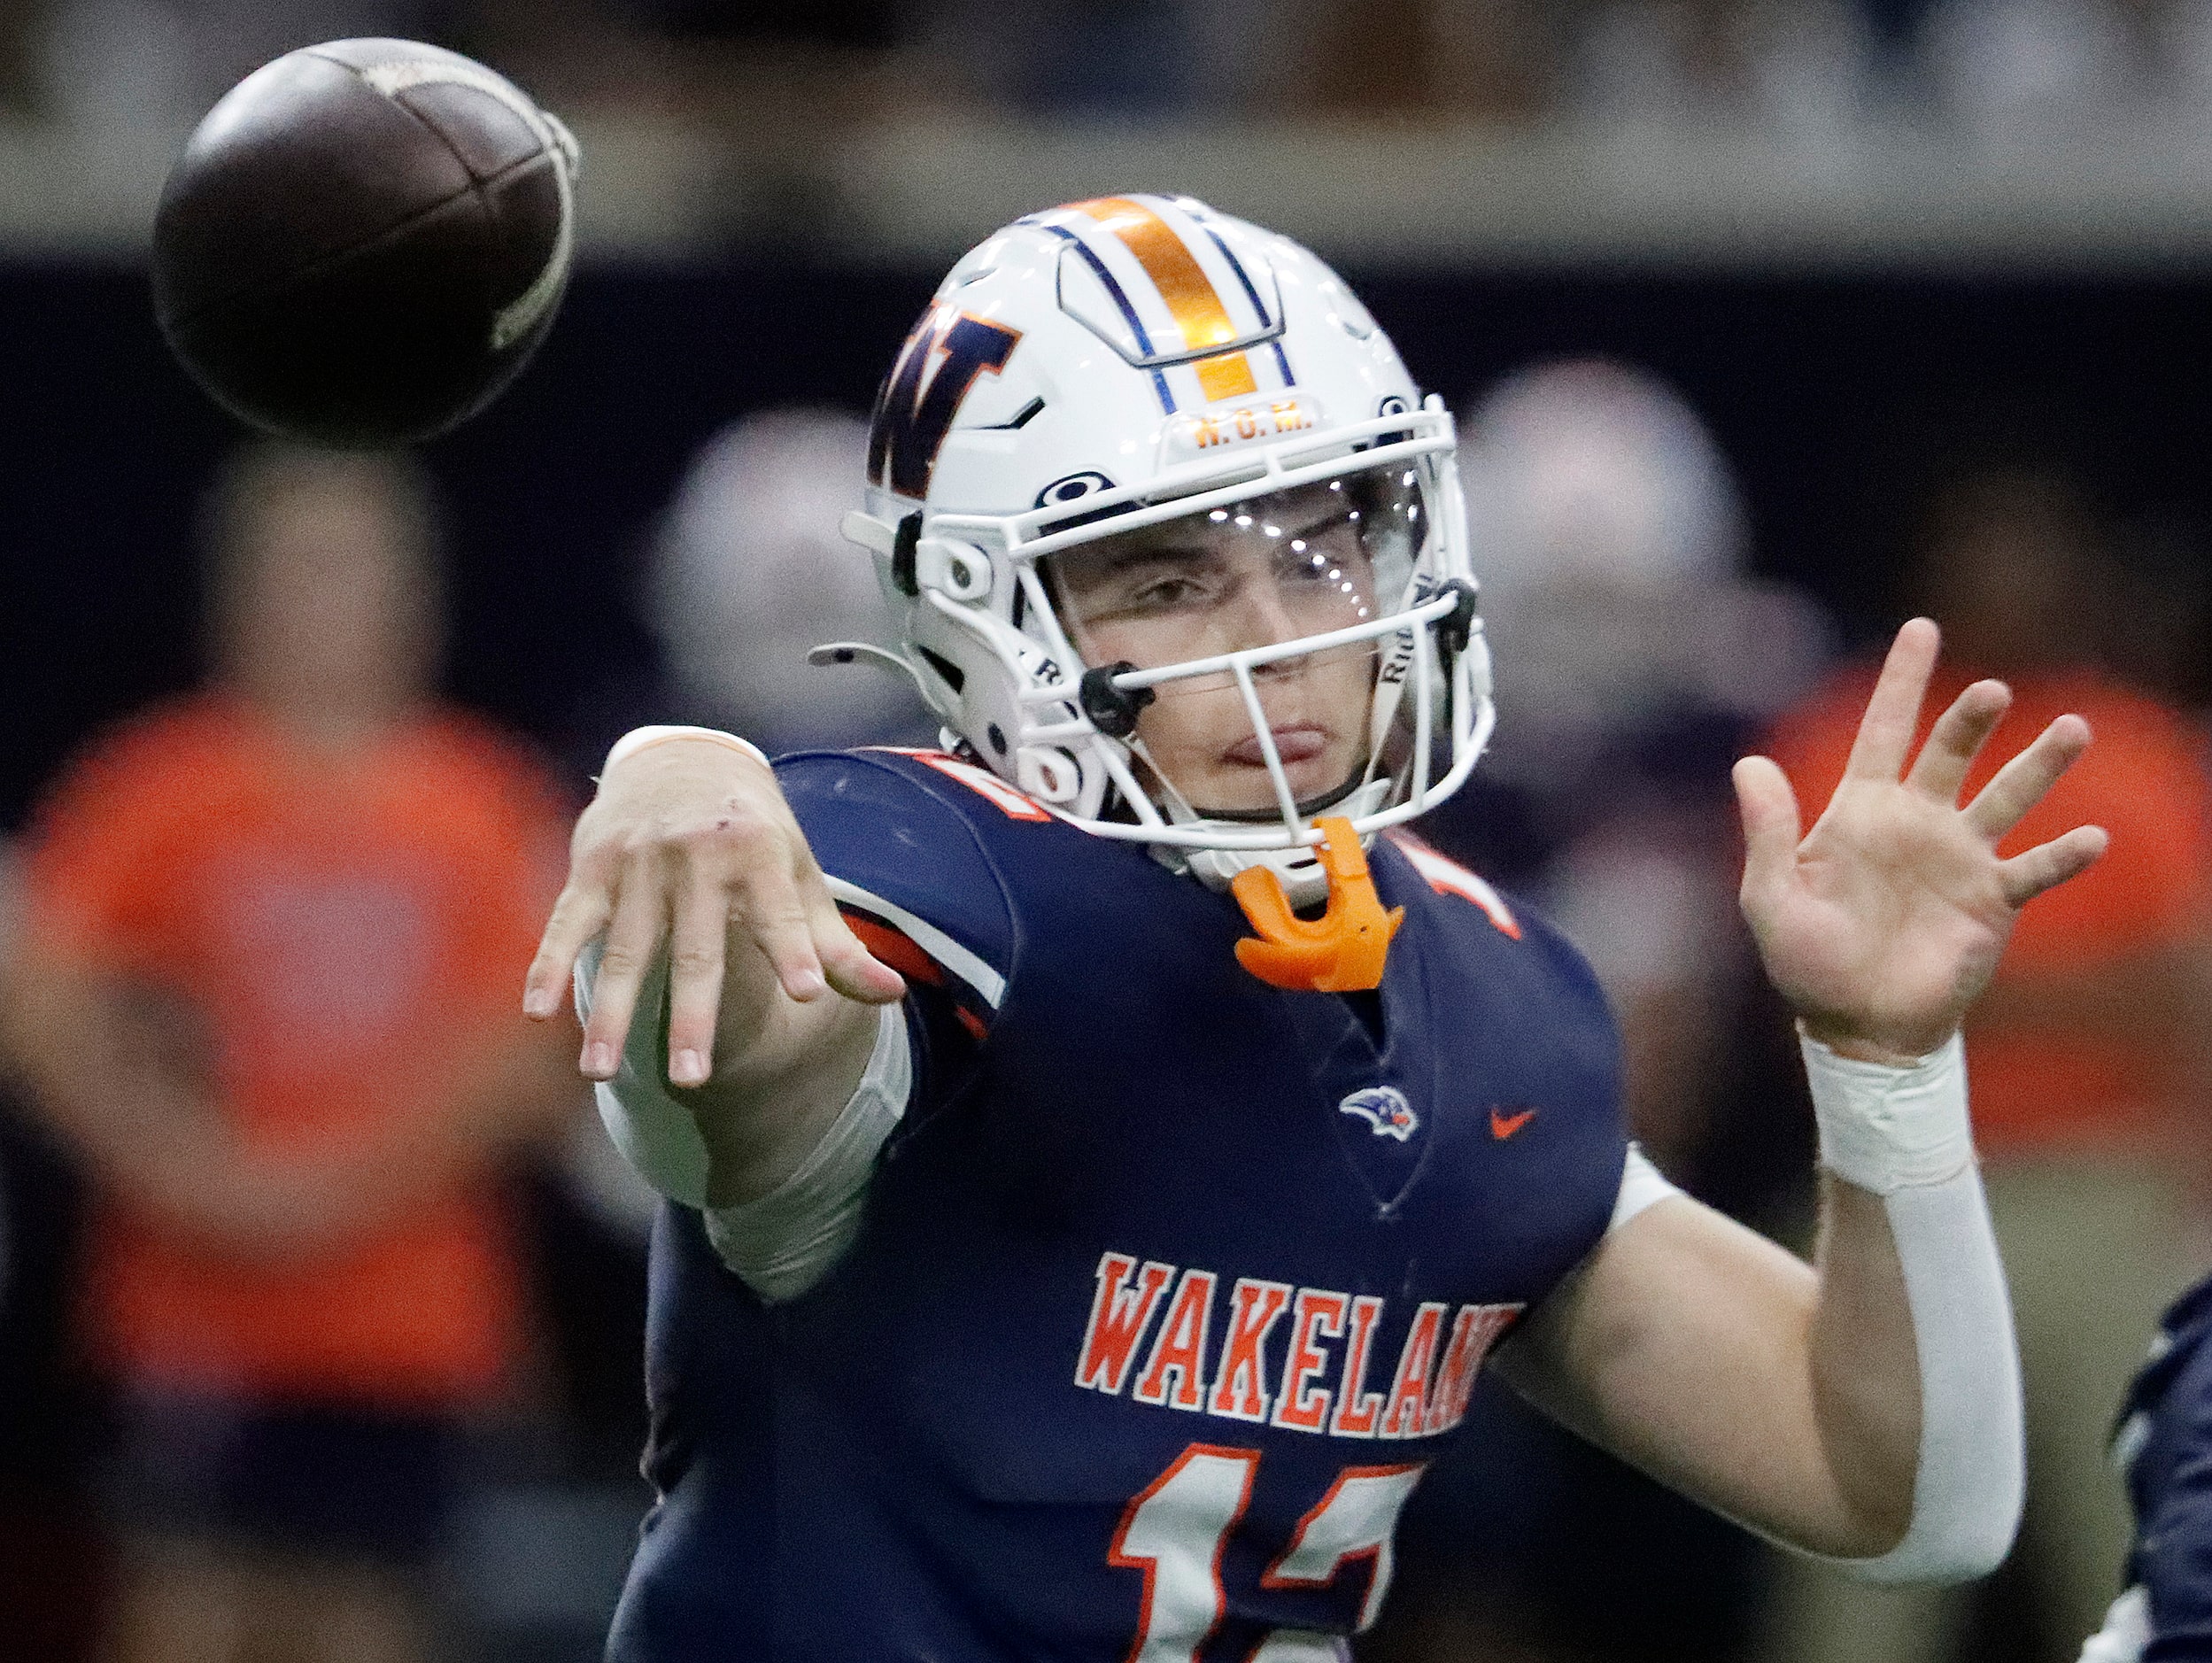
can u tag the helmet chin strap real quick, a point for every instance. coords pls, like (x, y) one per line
(1303, 877)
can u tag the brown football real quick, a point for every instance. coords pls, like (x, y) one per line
(364, 242)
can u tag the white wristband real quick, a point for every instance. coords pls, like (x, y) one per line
(1886, 1129)
(638, 739)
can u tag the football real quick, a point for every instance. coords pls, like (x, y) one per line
(364, 242)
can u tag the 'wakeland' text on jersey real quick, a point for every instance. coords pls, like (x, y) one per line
(1168, 1288)
(1426, 1393)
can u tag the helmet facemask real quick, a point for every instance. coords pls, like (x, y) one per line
(1248, 742)
(1210, 670)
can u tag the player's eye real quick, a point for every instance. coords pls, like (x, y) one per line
(1163, 594)
(1317, 558)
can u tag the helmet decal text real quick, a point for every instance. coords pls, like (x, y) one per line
(1195, 434)
(915, 411)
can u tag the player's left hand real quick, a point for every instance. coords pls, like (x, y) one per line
(1882, 924)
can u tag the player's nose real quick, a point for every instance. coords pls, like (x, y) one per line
(1264, 618)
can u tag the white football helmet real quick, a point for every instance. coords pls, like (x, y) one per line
(1115, 377)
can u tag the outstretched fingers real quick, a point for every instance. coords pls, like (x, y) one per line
(1885, 733)
(777, 918)
(2021, 784)
(2047, 866)
(1940, 771)
(633, 937)
(851, 968)
(580, 912)
(698, 942)
(1772, 828)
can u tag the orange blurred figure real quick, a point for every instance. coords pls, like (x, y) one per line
(271, 936)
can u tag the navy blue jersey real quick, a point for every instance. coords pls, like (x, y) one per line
(1169, 1285)
(2166, 1446)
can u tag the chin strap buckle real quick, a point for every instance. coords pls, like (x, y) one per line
(1339, 952)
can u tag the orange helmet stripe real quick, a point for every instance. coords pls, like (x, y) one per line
(1192, 299)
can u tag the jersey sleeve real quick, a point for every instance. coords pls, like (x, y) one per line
(915, 885)
(913, 882)
(2176, 1559)
(2165, 1446)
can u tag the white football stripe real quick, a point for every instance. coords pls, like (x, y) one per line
(930, 939)
(516, 319)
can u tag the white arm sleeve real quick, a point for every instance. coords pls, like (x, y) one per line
(786, 1241)
(782, 1243)
(1902, 1134)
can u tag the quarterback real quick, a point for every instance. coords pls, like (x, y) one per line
(1101, 1153)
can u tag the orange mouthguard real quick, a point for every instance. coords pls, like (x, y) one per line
(1339, 952)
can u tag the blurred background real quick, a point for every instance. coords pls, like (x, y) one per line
(1770, 322)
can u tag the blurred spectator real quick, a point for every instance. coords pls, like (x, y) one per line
(2086, 1052)
(751, 572)
(21, 25)
(2155, 611)
(1131, 59)
(2005, 67)
(51, 1563)
(1482, 61)
(1634, 659)
(267, 993)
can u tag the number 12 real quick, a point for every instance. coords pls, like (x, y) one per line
(1176, 1529)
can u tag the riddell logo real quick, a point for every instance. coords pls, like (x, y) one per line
(1506, 1121)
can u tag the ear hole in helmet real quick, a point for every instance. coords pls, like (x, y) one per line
(960, 570)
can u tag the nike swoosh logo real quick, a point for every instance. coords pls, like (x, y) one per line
(1504, 1126)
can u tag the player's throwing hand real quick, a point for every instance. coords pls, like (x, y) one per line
(1882, 924)
(692, 845)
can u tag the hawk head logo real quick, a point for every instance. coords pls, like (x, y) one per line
(1385, 1111)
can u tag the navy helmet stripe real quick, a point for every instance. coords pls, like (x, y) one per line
(1128, 312)
(1251, 293)
(1243, 277)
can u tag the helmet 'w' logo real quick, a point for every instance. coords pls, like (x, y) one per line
(1385, 1111)
(938, 363)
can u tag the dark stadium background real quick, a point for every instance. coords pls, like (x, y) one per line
(1833, 398)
